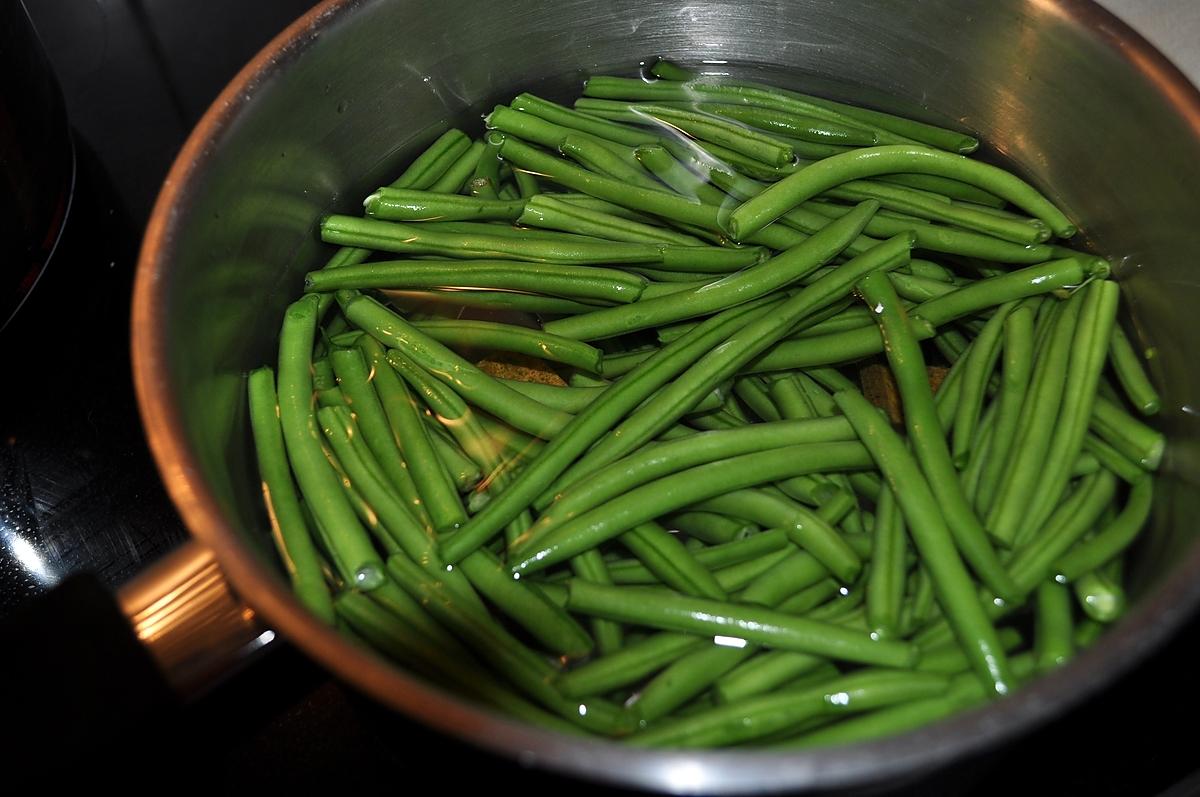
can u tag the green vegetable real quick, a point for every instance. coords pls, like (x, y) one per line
(594, 388)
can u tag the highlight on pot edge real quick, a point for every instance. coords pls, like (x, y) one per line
(708, 413)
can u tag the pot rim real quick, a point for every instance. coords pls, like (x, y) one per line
(1145, 628)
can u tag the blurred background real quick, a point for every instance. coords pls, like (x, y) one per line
(78, 490)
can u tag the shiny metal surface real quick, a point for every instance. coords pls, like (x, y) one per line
(1059, 88)
(184, 612)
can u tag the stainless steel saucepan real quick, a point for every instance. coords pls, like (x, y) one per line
(335, 104)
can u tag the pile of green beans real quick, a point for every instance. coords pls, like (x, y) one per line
(697, 530)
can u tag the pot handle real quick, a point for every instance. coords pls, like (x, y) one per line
(187, 616)
(84, 672)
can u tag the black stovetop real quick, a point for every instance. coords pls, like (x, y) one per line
(78, 489)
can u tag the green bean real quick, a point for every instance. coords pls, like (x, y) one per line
(806, 128)
(934, 237)
(396, 204)
(797, 571)
(657, 202)
(755, 396)
(288, 528)
(1089, 351)
(736, 578)
(587, 284)
(662, 288)
(963, 693)
(676, 491)
(663, 165)
(322, 374)
(590, 566)
(1039, 414)
(1102, 598)
(925, 433)
(433, 482)
(490, 300)
(598, 418)
(954, 189)
(949, 658)
(688, 676)
(431, 164)
(420, 239)
(355, 381)
(547, 623)
(492, 336)
(523, 667)
(811, 597)
(712, 91)
(705, 126)
(1016, 371)
(407, 645)
(740, 348)
(417, 542)
(339, 530)
(711, 528)
(486, 392)
(1071, 520)
(766, 671)
(919, 289)
(927, 269)
(805, 528)
(695, 671)
(886, 577)
(952, 344)
(572, 498)
(1127, 366)
(663, 609)
(571, 119)
(1087, 631)
(527, 184)
(839, 347)
(485, 178)
(534, 128)
(942, 138)
(934, 542)
(936, 208)
(521, 235)
(596, 156)
(609, 208)
(770, 714)
(559, 397)
(452, 413)
(759, 211)
(627, 666)
(453, 179)
(1127, 434)
(1030, 281)
(1053, 645)
(1114, 538)
(546, 210)
(670, 561)
(981, 359)
(711, 557)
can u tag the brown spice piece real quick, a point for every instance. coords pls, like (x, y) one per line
(879, 386)
(508, 365)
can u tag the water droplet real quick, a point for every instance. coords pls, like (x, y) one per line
(368, 577)
(342, 106)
